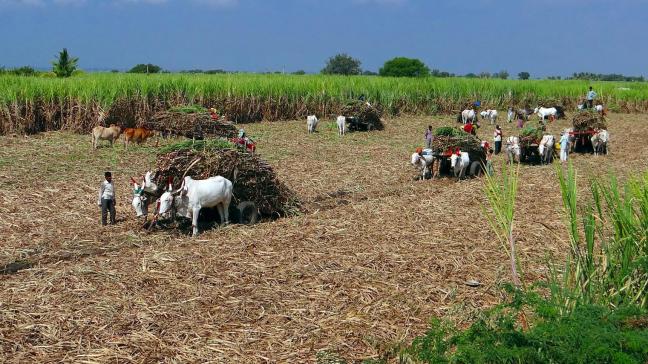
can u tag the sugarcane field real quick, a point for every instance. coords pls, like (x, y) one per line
(223, 181)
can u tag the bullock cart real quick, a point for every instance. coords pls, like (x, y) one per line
(194, 124)
(362, 116)
(446, 142)
(529, 142)
(585, 125)
(257, 191)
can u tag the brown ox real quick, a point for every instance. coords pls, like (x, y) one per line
(110, 133)
(138, 135)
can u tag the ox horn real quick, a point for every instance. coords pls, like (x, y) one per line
(170, 183)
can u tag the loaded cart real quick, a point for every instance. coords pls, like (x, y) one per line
(194, 123)
(585, 125)
(530, 138)
(447, 141)
(257, 191)
(362, 116)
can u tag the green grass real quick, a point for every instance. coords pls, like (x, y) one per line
(588, 334)
(188, 109)
(449, 131)
(594, 310)
(420, 94)
(198, 145)
(609, 243)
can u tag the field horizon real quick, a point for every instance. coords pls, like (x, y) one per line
(35, 104)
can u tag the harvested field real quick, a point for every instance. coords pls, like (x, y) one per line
(374, 256)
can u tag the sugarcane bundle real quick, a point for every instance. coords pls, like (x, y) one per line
(191, 123)
(364, 112)
(585, 120)
(530, 135)
(253, 179)
(448, 138)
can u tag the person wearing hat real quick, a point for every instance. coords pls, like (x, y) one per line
(107, 199)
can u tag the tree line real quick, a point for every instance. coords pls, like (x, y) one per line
(340, 64)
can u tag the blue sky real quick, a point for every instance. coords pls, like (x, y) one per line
(543, 37)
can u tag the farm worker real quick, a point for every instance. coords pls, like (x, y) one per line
(107, 199)
(213, 113)
(428, 137)
(497, 138)
(485, 145)
(489, 163)
(591, 95)
(564, 145)
(520, 123)
(469, 128)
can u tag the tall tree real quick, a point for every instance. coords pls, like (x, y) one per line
(404, 67)
(145, 68)
(524, 75)
(342, 64)
(65, 65)
(502, 74)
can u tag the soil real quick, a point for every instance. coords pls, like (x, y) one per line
(372, 258)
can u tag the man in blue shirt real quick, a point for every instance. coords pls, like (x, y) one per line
(590, 98)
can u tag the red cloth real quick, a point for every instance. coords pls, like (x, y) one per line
(468, 128)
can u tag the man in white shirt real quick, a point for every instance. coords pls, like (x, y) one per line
(107, 199)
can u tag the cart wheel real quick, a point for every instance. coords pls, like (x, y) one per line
(475, 169)
(248, 213)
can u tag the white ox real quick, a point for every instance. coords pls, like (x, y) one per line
(546, 148)
(341, 124)
(599, 108)
(513, 149)
(139, 203)
(424, 162)
(510, 115)
(459, 163)
(311, 123)
(544, 112)
(196, 194)
(600, 141)
(490, 115)
(468, 115)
